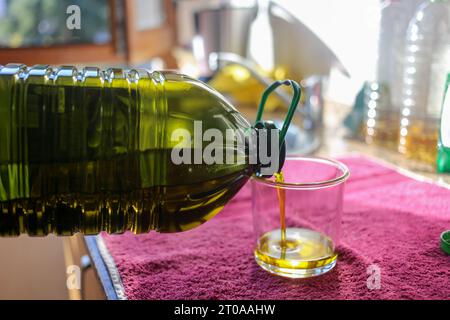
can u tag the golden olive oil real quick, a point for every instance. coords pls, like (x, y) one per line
(279, 178)
(384, 131)
(301, 249)
(285, 249)
(420, 140)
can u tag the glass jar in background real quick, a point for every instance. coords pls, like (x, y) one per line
(297, 221)
(426, 65)
(383, 96)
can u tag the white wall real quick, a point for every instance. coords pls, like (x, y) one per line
(350, 29)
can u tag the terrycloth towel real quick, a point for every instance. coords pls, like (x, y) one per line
(391, 227)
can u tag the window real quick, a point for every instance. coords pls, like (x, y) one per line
(37, 23)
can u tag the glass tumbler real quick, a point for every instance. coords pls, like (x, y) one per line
(297, 217)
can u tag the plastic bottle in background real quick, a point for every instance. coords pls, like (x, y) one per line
(427, 63)
(383, 96)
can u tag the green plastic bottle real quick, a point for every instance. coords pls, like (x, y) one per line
(90, 151)
(443, 160)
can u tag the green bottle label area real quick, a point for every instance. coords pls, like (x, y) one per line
(89, 151)
(443, 161)
(445, 121)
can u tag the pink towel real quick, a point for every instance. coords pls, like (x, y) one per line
(391, 224)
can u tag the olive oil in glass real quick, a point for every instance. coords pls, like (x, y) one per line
(293, 248)
(297, 217)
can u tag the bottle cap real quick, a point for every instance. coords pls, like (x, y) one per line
(445, 241)
(260, 124)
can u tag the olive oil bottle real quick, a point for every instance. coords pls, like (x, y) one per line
(443, 159)
(90, 151)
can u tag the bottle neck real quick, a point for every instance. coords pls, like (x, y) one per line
(270, 154)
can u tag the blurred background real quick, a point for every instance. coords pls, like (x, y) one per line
(373, 74)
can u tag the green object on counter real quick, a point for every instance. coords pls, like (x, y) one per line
(445, 241)
(443, 160)
(354, 120)
(120, 150)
